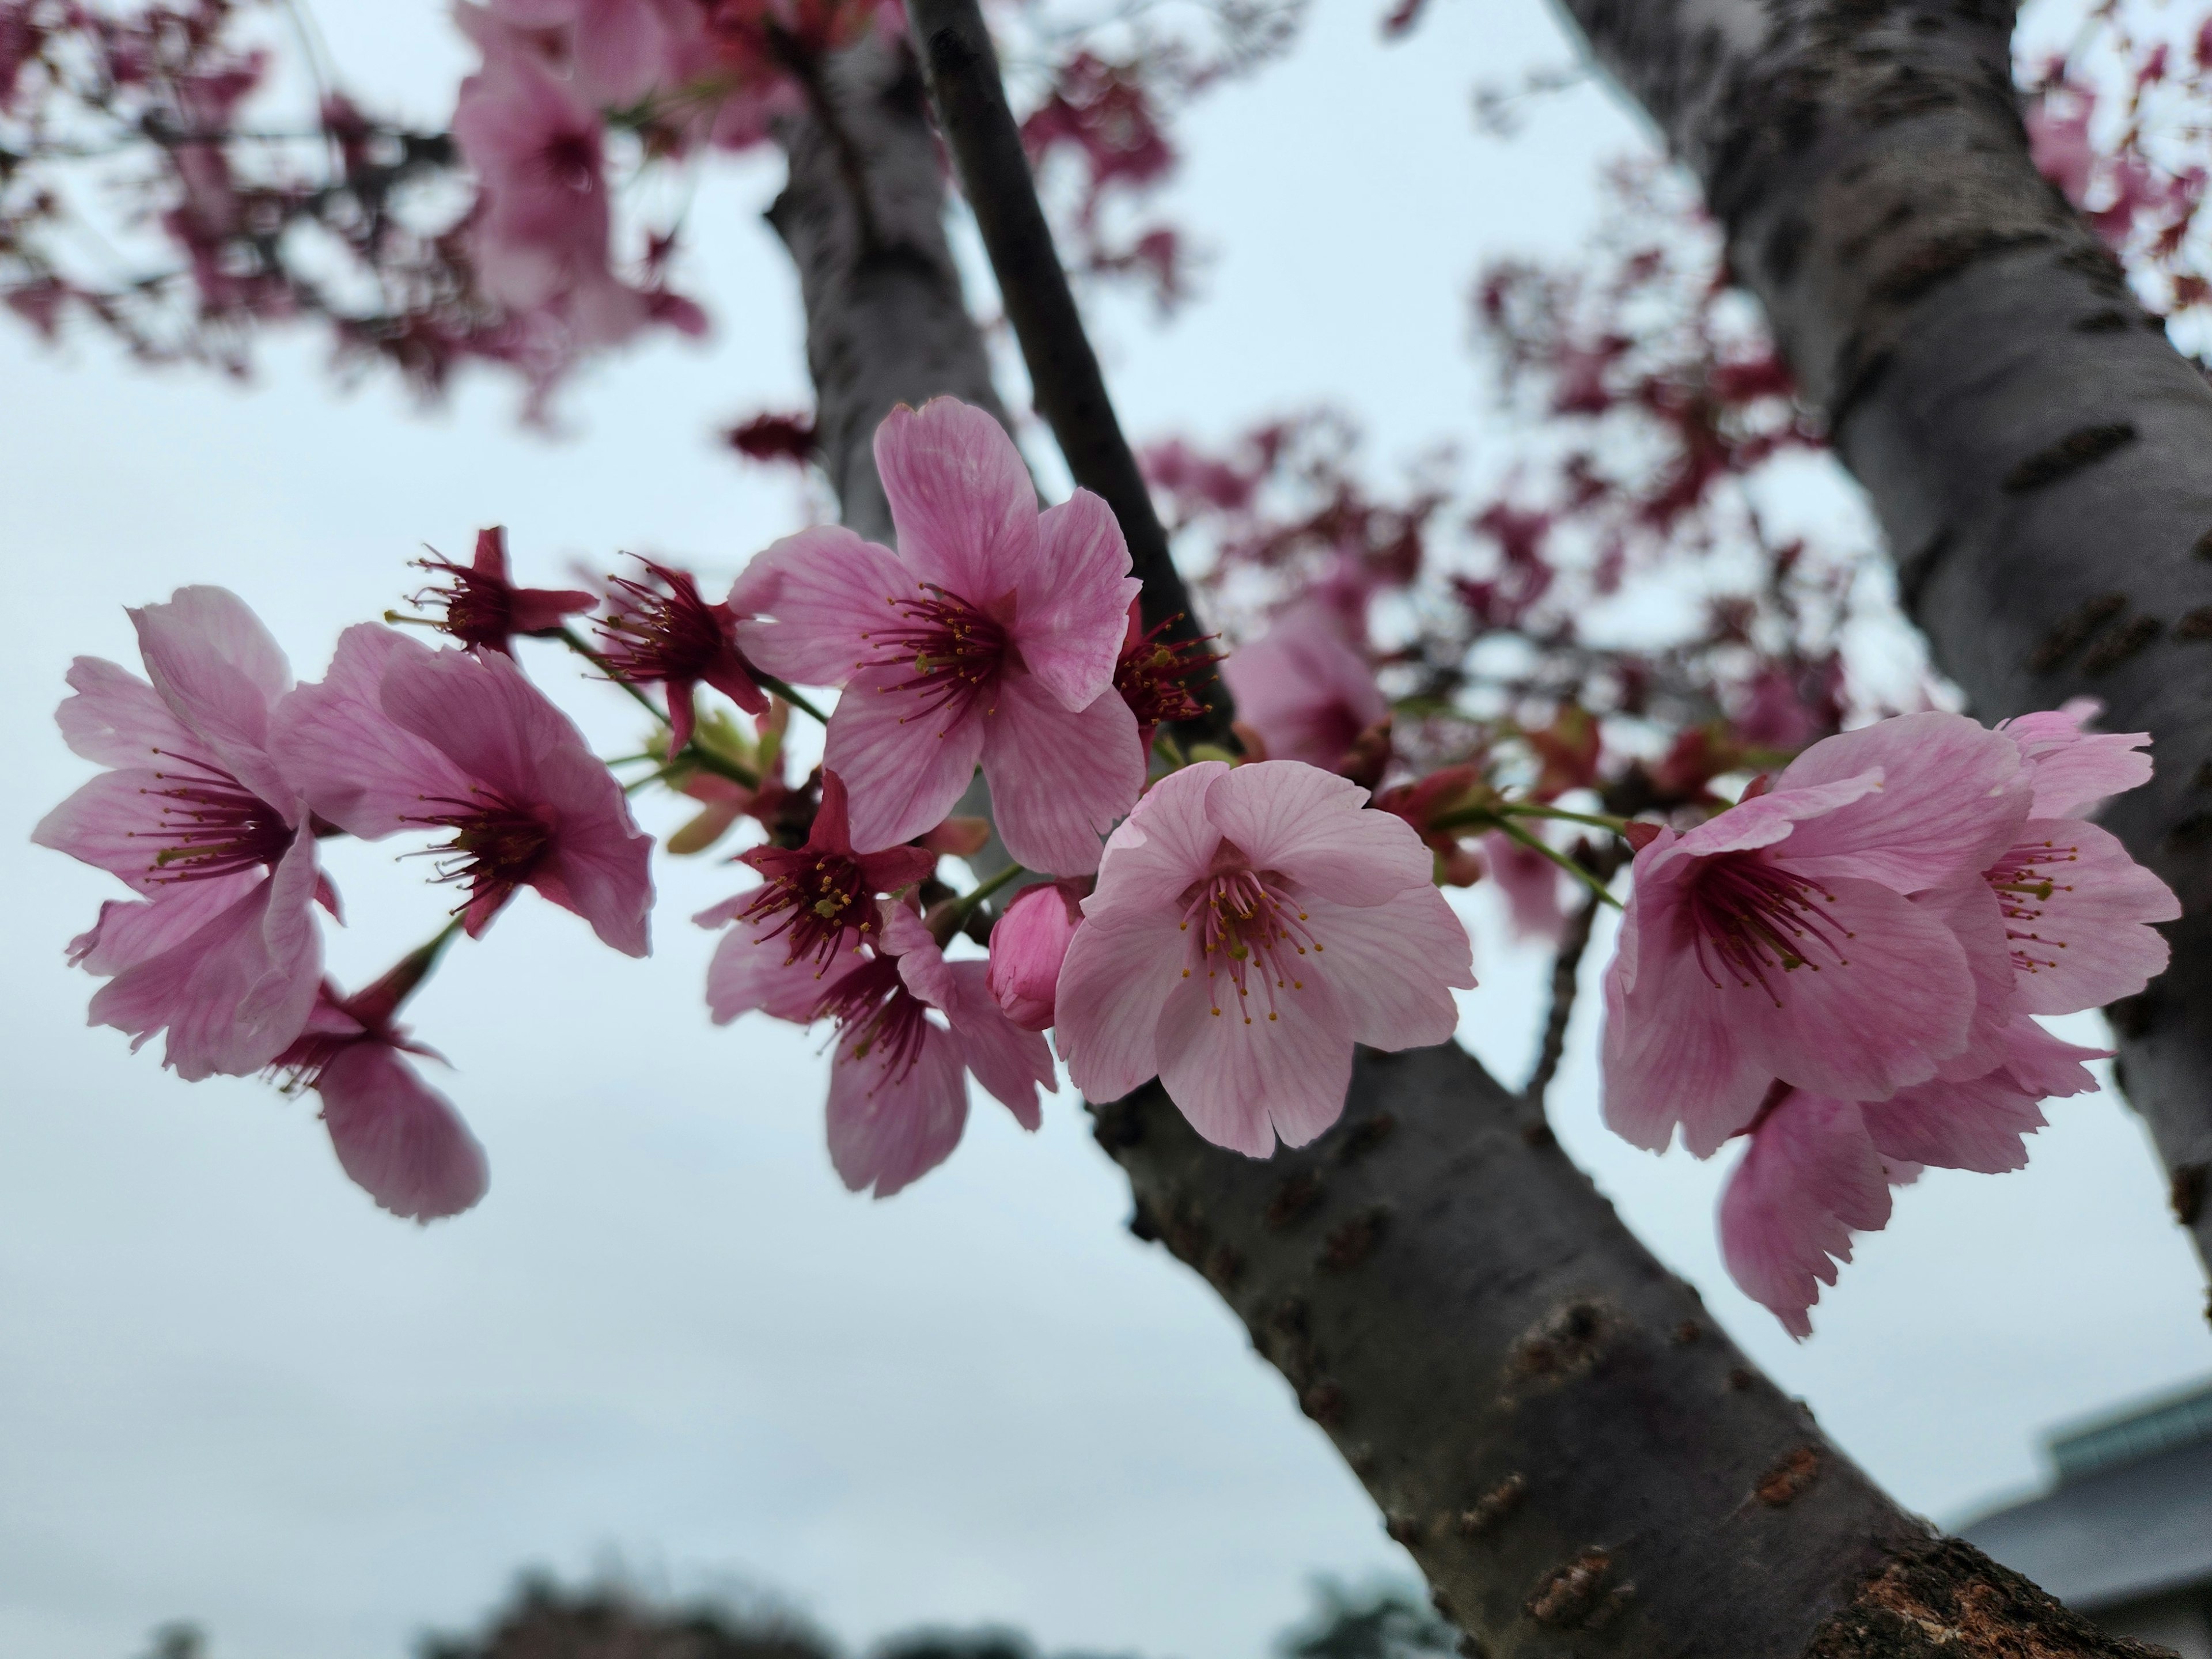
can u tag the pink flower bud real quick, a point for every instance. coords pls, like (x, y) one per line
(1027, 947)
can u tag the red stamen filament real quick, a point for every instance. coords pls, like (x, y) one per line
(1753, 919)
(2023, 883)
(496, 846)
(876, 1014)
(1250, 928)
(817, 903)
(212, 825)
(955, 650)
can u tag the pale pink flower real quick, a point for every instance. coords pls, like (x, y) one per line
(1781, 939)
(1249, 926)
(400, 1140)
(222, 949)
(1304, 689)
(990, 636)
(398, 736)
(1819, 1169)
(1530, 883)
(2074, 770)
(911, 1026)
(1028, 944)
(616, 52)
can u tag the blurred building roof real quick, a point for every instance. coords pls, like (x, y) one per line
(2131, 1515)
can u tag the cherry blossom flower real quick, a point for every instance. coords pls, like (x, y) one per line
(1530, 883)
(1780, 940)
(990, 636)
(899, 1096)
(616, 52)
(1153, 676)
(1029, 943)
(1250, 926)
(483, 610)
(816, 907)
(400, 1140)
(220, 949)
(1428, 803)
(1304, 689)
(2074, 770)
(672, 637)
(1819, 1169)
(397, 737)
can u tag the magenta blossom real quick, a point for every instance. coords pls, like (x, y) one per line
(990, 636)
(1819, 1169)
(1304, 689)
(400, 1140)
(1250, 926)
(221, 949)
(1781, 940)
(1028, 944)
(816, 905)
(670, 636)
(399, 736)
(911, 1027)
(483, 610)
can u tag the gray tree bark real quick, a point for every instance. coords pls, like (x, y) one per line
(1580, 1460)
(2039, 456)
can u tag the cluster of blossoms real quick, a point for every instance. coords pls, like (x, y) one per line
(1842, 966)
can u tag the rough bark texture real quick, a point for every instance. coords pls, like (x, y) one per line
(2040, 458)
(1582, 1463)
(864, 218)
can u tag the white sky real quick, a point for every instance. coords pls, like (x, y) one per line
(235, 1392)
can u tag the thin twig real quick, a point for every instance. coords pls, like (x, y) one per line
(971, 100)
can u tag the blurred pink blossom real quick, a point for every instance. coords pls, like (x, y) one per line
(1304, 689)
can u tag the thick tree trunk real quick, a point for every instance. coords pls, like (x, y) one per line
(1580, 1460)
(2040, 457)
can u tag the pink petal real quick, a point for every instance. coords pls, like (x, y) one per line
(749, 972)
(1391, 966)
(481, 712)
(132, 930)
(2043, 1066)
(1242, 1078)
(600, 865)
(902, 773)
(1167, 842)
(1765, 820)
(1009, 1062)
(1058, 779)
(1530, 883)
(234, 994)
(118, 720)
(2074, 770)
(1310, 825)
(1970, 910)
(1304, 689)
(357, 768)
(113, 823)
(2090, 942)
(1901, 1001)
(219, 672)
(1073, 609)
(822, 589)
(922, 965)
(1113, 986)
(1953, 794)
(963, 502)
(1670, 1055)
(1811, 1176)
(1981, 1125)
(400, 1140)
(886, 1133)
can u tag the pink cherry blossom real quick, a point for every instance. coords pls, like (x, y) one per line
(815, 902)
(1249, 926)
(615, 53)
(221, 949)
(1028, 944)
(400, 1140)
(1304, 689)
(911, 1026)
(2074, 770)
(1819, 1169)
(990, 636)
(483, 610)
(1530, 883)
(668, 636)
(397, 737)
(1780, 939)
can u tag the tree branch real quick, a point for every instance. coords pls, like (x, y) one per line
(2039, 456)
(970, 99)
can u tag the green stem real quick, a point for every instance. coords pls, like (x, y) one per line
(577, 643)
(961, 908)
(1595, 820)
(1603, 893)
(790, 696)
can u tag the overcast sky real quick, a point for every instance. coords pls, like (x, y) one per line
(233, 1391)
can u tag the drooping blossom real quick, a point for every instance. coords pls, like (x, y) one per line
(400, 1140)
(1249, 926)
(220, 948)
(1530, 884)
(667, 636)
(911, 1026)
(397, 737)
(1781, 940)
(991, 636)
(1304, 689)
(815, 908)
(483, 610)
(1153, 676)
(1029, 943)
(1818, 1169)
